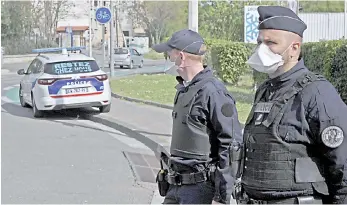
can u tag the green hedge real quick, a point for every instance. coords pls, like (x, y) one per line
(339, 70)
(318, 56)
(228, 59)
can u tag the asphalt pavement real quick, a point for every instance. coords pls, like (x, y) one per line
(68, 158)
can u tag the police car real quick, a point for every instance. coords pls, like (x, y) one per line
(55, 81)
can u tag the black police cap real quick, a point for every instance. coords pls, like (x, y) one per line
(187, 40)
(280, 18)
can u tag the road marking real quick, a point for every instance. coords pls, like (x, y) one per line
(131, 142)
(8, 100)
(8, 88)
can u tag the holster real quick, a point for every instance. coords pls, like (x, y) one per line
(161, 179)
(236, 159)
(212, 172)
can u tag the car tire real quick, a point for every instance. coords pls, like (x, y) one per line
(141, 64)
(131, 66)
(21, 99)
(105, 108)
(37, 113)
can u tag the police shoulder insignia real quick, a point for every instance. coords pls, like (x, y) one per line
(332, 136)
(227, 110)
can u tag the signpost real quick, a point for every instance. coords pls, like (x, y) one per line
(103, 15)
(68, 30)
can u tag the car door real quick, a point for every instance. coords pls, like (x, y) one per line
(138, 57)
(135, 57)
(26, 81)
(35, 74)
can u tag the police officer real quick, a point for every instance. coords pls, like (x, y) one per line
(295, 150)
(205, 127)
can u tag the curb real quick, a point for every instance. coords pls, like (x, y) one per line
(141, 101)
(154, 146)
(149, 103)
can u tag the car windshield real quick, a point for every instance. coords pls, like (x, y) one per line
(120, 51)
(71, 67)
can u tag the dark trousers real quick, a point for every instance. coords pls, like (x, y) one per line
(200, 193)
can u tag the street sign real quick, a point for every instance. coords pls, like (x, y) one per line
(103, 15)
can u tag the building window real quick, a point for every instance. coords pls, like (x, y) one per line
(104, 3)
(95, 3)
(126, 33)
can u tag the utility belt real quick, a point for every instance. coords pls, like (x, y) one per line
(293, 200)
(242, 198)
(190, 178)
(166, 178)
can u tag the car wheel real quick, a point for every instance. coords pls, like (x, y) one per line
(37, 113)
(21, 99)
(105, 108)
(131, 66)
(141, 64)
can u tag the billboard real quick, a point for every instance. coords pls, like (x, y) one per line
(251, 21)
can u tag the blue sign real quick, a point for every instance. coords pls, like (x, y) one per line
(251, 20)
(103, 15)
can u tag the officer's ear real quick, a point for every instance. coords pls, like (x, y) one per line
(182, 56)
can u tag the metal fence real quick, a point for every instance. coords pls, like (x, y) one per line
(324, 26)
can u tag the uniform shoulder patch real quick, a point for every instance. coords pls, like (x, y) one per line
(332, 136)
(227, 110)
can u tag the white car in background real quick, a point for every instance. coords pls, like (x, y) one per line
(55, 81)
(128, 57)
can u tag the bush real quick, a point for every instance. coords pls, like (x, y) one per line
(339, 70)
(209, 44)
(229, 60)
(318, 56)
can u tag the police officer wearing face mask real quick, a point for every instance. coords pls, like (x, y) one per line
(295, 151)
(206, 134)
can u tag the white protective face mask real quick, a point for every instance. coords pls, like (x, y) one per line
(264, 60)
(171, 68)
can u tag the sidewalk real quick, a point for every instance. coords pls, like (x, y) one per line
(148, 124)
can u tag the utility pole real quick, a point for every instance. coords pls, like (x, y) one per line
(345, 20)
(91, 2)
(116, 23)
(193, 16)
(111, 39)
(103, 47)
(293, 5)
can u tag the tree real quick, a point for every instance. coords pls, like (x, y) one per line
(19, 31)
(158, 18)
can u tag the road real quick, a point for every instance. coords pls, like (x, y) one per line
(65, 159)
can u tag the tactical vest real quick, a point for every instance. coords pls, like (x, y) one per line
(276, 159)
(190, 139)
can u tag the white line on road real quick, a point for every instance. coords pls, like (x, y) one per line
(131, 142)
(8, 88)
(6, 99)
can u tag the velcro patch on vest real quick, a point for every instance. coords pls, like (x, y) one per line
(263, 107)
(332, 136)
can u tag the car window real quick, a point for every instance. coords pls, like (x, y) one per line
(38, 67)
(136, 53)
(31, 66)
(132, 52)
(121, 51)
(71, 67)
